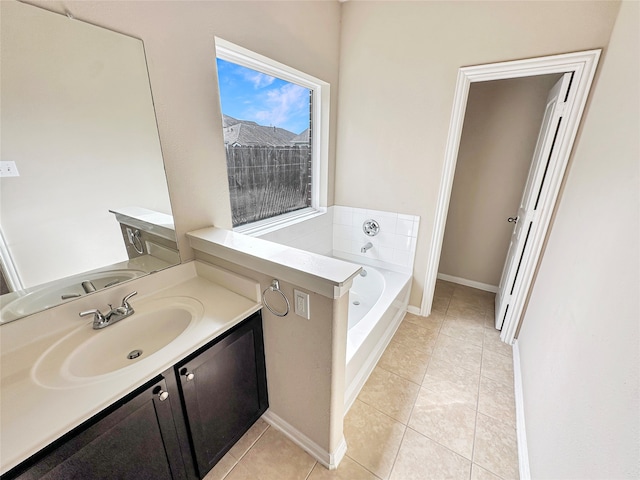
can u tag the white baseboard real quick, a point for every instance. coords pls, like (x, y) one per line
(469, 283)
(523, 451)
(330, 460)
(414, 310)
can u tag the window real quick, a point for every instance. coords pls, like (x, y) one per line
(275, 138)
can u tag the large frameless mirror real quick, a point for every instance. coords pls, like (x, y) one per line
(84, 199)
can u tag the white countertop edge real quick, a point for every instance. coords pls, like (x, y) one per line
(32, 433)
(158, 223)
(326, 276)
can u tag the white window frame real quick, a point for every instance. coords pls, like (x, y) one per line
(320, 135)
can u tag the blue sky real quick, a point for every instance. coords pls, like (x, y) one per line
(246, 94)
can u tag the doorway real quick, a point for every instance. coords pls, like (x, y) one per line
(501, 125)
(582, 66)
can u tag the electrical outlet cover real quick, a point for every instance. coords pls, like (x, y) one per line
(301, 304)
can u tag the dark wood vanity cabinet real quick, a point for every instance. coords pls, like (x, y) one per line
(135, 438)
(176, 427)
(224, 390)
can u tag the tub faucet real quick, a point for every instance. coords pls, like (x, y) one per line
(366, 247)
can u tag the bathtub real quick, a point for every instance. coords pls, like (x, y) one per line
(377, 303)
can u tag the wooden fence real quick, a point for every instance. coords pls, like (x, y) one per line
(268, 181)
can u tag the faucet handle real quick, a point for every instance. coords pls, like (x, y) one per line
(125, 301)
(97, 315)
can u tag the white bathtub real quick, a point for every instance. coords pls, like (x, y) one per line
(377, 304)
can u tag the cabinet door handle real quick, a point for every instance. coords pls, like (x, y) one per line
(187, 374)
(162, 395)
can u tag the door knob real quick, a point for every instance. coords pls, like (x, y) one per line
(512, 219)
(187, 374)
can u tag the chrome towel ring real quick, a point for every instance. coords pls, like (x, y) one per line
(275, 287)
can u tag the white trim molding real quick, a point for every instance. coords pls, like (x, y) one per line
(521, 432)
(583, 66)
(231, 52)
(469, 283)
(330, 460)
(9, 270)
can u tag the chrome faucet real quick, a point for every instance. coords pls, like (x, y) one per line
(102, 320)
(366, 247)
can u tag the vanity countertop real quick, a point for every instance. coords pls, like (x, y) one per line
(33, 415)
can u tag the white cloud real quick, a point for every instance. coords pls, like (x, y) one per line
(283, 103)
(259, 80)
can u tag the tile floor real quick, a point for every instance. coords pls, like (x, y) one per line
(439, 404)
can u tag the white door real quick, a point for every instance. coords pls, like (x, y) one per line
(525, 220)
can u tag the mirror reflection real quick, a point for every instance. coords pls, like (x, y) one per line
(84, 200)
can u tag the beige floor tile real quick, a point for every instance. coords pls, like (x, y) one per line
(473, 297)
(222, 468)
(440, 303)
(415, 337)
(274, 457)
(479, 473)
(248, 439)
(497, 367)
(496, 447)
(444, 288)
(421, 458)
(347, 470)
(433, 322)
(390, 393)
(462, 309)
(490, 320)
(445, 419)
(373, 438)
(443, 376)
(497, 400)
(458, 352)
(240, 472)
(492, 342)
(409, 363)
(468, 330)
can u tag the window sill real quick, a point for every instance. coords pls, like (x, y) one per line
(262, 227)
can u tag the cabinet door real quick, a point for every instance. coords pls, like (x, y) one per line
(137, 440)
(224, 390)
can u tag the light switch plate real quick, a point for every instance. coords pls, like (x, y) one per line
(301, 304)
(8, 169)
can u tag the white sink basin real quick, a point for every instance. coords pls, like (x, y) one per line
(50, 295)
(87, 355)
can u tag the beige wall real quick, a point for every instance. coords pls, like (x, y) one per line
(179, 43)
(398, 67)
(501, 126)
(580, 342)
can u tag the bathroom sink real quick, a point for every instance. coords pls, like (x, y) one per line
(87, 355)
(49, 295)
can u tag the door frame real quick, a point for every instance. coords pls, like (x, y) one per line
(583, 66)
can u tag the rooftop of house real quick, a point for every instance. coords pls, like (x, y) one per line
(247, 134)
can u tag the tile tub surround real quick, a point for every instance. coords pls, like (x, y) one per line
(338, 232)
(421, 415)
(394, 247)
